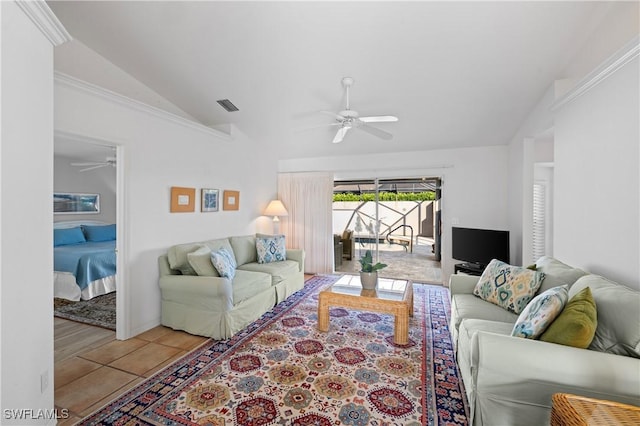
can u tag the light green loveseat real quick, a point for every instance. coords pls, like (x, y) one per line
(196, 299)
(510, 380)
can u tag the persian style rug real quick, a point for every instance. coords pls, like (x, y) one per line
(282, 371)
(100, 310)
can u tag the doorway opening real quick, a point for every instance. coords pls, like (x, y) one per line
(397, 219)
(88, 295)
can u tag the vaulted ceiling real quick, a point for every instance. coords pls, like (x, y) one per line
(457, 74)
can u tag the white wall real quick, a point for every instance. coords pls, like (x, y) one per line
(606, 116)
(161, 153)
(597, 179)
(474, 183)
(26, 261)
(67, 178)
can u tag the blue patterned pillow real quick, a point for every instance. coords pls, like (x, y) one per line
(224, 263)
(271, 249)
(540, 312)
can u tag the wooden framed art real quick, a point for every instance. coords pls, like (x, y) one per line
(231, 200)
(209, 200)
(183, 200)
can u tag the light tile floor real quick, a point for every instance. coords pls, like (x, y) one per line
(92, 368)
(89, 376)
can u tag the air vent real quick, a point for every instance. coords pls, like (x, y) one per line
(226, 104)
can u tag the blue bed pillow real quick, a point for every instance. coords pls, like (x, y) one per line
(67, 236)
(99, 232)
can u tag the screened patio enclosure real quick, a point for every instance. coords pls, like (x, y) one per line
(397, 219)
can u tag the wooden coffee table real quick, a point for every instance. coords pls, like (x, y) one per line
(392, 297)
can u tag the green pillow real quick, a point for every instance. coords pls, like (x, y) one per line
(200, 261)
(576, 324)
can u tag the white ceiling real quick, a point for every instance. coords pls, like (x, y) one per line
(457, 74)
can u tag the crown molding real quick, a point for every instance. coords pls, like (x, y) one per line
(92, 89)
(46, 21)
(626, 54)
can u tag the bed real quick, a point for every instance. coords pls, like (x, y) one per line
(84, 259)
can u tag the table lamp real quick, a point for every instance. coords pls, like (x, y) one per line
(275, 209)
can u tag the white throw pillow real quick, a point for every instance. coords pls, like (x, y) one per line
(224, 263)
(541, 312)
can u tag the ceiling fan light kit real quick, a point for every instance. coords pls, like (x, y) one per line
(349, 119)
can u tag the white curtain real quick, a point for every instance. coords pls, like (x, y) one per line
(308, 197)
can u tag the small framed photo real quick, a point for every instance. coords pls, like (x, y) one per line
(182, 199)
(209, 200)
(231, 200)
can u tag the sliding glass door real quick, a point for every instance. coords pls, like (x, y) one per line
(397, 219)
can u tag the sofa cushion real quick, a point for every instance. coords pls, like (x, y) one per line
(244, 249)
(224, 263)
(557, 273)
(470, 306)
(541, 312)
(219, 243)
(576, 325)
(271, 249)
(279, 271)
(178, 257)
(247, 284)
(618, 330)
(508, 286)
(200, 261)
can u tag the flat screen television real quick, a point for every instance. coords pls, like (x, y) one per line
(477, 247)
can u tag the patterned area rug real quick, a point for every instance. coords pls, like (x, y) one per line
(100, 310)
(282, 371)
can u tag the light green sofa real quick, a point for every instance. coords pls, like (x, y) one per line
(196, 299)
(510, 380)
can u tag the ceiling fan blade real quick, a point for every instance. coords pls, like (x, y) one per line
(93, 167)
(379, 119)
(342, 131)
(334, 115)
(304, 129)
(92, 163)
(375, 131)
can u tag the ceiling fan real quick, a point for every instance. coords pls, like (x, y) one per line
(92, 165)
(348, 119)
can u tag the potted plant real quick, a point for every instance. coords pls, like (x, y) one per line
(369, 271)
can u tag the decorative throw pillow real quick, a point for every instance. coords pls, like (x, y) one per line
(67, 236)
(224, 263)
(508, 286)
(271, 249)
(99, 232)
(200, 261)
(576, 325)
(540, 312)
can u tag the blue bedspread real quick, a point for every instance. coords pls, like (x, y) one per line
(87, 261)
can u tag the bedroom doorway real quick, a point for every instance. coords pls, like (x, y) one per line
(84, 165)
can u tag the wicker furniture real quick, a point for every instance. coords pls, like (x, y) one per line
(392, 297)
(348, 245)
(574, 410)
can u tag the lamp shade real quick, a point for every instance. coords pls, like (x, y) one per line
(275, 208)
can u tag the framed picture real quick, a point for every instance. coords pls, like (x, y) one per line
(231, 200)
(183, 200)
(73, 203)
(209, 200)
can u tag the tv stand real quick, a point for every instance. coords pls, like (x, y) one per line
(469, 268)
